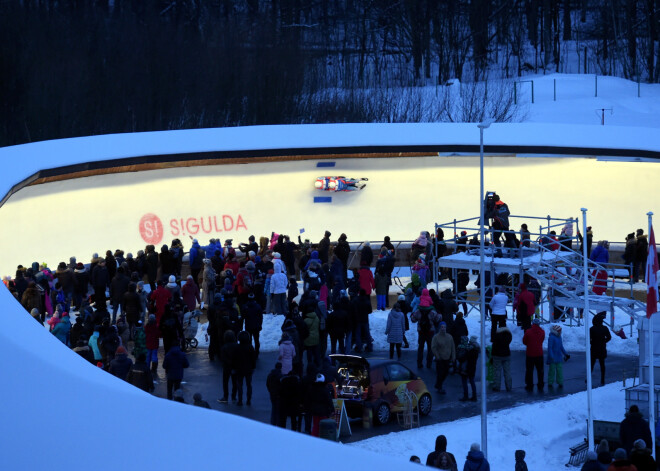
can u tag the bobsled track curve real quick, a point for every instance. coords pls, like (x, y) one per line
(48, 390)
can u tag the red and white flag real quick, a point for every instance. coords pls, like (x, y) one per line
(651, 278)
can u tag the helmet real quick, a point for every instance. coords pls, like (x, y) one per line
(332, 185)
(318, 184)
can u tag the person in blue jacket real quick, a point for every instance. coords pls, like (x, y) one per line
(174, 363)
(556, 357)
(196, 258)
(475, 460)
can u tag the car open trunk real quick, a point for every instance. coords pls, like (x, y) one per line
(354, 371)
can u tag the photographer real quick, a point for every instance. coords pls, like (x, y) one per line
(498, 211)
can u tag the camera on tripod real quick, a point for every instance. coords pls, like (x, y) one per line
(489, 205)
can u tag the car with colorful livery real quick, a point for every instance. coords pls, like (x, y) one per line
(378, 384)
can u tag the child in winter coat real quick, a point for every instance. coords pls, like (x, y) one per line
(53, 321)
(556, 357)
(382, 287)
(287, 353)
(420, 268)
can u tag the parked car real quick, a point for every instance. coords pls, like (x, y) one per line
(378, 384)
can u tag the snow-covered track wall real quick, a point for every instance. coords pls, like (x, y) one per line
(96, 193)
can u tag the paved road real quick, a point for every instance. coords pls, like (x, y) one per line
(206, 377)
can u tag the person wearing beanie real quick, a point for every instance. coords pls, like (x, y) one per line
(632, 428)
(591, 464)
(121, 364)
(641, 457)
(475, 460)
(173, 286)
(556, 357)
(621, 461)
(604, 455)
(36, 315)
(533, 339)
(426, 318)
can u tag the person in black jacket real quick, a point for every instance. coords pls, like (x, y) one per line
(111, 264)
(502, 357)
(131, 305)
(80, 285)
(290, 399)
(254, 317)
(632, 428)
(367, 255)
(100, 281)
(641, 249)
(244, 361)
(440, 447)
(629, 254)
(343, 251)
(324, 247)
(167, 262)
(274, 387)
(140, 375)
(118, 287)
(319, 403)
(151, 266)
(338, 324)
(362, 306)
(227, 354)
(599, 335)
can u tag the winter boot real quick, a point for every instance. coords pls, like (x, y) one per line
(474, 398)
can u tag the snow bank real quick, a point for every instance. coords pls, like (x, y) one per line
(544, 430)
(50, 392)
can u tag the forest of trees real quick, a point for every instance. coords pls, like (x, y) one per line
(82, 67)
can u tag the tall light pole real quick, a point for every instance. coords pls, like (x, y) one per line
(586, 317)
(482, 296)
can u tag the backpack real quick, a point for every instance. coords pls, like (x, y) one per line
(247, 282)
(313, 283)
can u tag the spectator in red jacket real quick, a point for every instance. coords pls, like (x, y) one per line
(190, 294)
(367, 282)
(525, 306)
(533, 338)
(161, 297)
